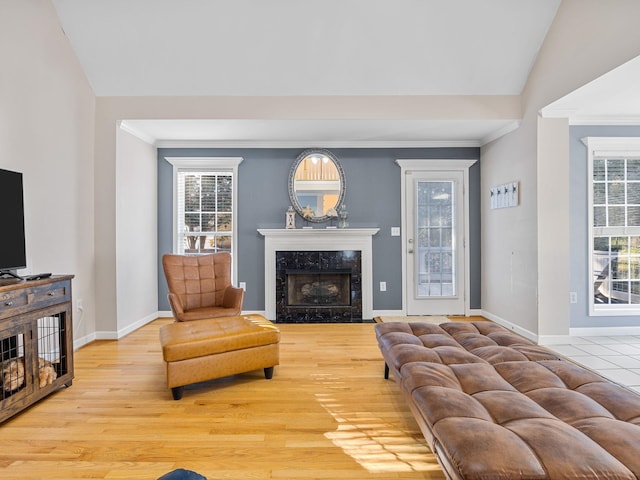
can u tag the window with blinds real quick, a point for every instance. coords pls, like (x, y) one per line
(204, 211)
(204, 204)
(614, 196)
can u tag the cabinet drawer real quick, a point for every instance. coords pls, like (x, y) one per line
(51, 294)
(14, 302)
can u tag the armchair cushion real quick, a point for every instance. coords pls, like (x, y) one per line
(200, 286)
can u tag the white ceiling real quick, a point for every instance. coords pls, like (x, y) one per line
(612, 98)
(309, 48)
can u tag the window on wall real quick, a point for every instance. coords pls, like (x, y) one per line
(205, 193)
(614, 223)
(204, 211)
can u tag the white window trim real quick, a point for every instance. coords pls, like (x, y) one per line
(606, 147)
(229, 164)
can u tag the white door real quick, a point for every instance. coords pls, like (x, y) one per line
(435, 242)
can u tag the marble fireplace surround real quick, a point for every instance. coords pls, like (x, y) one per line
(317, 239)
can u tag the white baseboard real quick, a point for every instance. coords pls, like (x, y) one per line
(111, 335)
(554, 339)
(564, 339)
(106, 335)
(136, 325)
(82, 341)
(511, 326)
(603, 331)
(388, 313)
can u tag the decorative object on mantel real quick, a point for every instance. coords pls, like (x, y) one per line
(332, 214)
(291, 218)
(307, 213)
(316, 184)
(344, 215)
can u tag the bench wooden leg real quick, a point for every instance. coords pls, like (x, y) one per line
(177, 392)
(268, 373)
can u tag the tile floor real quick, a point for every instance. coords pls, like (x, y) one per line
(615, 357)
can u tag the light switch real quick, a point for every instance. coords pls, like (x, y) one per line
(395, 231)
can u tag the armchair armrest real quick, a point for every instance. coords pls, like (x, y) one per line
(176, 306)
(233, 298)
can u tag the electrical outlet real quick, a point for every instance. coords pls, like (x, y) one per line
(573, 297)
(243, 285)
(383, 286)
(79, 306)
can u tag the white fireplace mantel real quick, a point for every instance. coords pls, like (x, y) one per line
(312, 239)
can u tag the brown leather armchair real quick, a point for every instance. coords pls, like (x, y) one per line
(200, 286)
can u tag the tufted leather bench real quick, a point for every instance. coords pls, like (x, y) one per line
(216, 347)
(494, 405)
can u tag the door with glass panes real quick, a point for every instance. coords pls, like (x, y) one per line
(435, 243)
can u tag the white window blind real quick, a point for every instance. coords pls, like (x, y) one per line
(205, 198)
(205, 211)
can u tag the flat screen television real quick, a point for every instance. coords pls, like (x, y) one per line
(12, 242)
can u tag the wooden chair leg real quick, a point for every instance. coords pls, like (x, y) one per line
(386, 371)
(268, 373)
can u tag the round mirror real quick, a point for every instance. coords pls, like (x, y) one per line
(316, 185)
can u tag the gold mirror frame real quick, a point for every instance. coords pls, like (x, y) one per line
(316, 185)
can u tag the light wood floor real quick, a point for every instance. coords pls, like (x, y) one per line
(326, 414)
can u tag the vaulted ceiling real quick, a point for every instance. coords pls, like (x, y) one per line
(329, 48)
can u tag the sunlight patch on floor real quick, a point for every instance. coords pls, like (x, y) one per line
(374, 442)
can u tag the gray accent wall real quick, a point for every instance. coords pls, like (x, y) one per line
(372, 198)
(579, 227)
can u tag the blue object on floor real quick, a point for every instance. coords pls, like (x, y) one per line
(182, 474)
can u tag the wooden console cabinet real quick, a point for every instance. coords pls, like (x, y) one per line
(36, 341)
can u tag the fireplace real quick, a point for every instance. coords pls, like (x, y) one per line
(281, 240)
(318, 287)
(321, 288)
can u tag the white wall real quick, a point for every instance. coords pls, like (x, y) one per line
(509, 246)
(587, 39)
(47, 111)
(136, 233)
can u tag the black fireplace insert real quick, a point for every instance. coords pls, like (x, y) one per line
(318, 287)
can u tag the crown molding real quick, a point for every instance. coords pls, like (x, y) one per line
(315, 144)
(126, 127)
(508, 128)
(578, 119)
(604, 120)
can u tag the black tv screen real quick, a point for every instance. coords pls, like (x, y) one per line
(12, 244)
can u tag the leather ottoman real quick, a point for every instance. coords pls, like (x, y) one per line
(216, 347)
